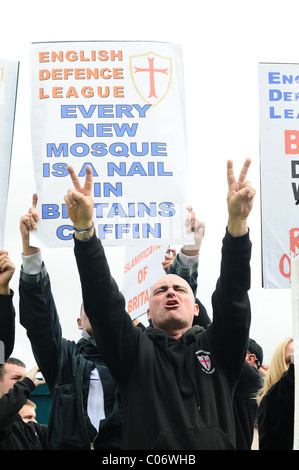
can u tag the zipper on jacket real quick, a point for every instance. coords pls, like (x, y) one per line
(91, 443)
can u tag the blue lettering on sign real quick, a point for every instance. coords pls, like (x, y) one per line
(51, 211)
(60, 232)
(284, 114)
(167, 209)
(123, 230)
(106, 130)
(277, 77)
(104, 111)
(60, 170)
(116, 209)
(100, 149)
(277, 95)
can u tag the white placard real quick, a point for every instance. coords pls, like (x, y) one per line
(119, 107)
(9, 71)
(143, 267)
(295, 315)
(279, 147)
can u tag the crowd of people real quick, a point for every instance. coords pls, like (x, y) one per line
(187, 381)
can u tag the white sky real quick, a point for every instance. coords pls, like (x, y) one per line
(223, 42)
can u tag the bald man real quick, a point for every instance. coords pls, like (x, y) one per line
(176, 381)
(172, 305)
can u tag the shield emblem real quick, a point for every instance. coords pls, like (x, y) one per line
(205, 362)
(151, 76)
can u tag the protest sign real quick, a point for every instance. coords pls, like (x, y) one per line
(9, 71)
(295, 318)
(279, 147)
(118, 107)
(143, 267)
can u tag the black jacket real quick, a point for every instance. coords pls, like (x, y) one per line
(66, 366)
(245, 405)
(7, 326)
(177, 394)
(15, 434)
(249, 382)
(276, 414)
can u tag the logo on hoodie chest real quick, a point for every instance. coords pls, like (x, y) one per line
(205, 361)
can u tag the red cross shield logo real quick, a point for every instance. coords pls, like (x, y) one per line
(205, 362)
(151, 76)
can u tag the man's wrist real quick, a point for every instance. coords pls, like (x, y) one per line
(84, 237)
(84, 230)
(188, 250)
(31, 250)
(4, 290)
(237, 227)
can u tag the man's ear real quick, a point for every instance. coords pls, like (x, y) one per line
(79, 323)
(196, 310)
(251, 359)
(148, 314)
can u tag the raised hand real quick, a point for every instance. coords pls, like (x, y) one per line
(79, 201)
(31, 374)
(28, 223)
(198, 228)
(169, 258)
(7, 270)
(239, 199)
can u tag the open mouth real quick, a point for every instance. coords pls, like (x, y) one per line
(171, 303)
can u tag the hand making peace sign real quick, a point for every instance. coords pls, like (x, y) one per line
(239, 199)
(79, 201)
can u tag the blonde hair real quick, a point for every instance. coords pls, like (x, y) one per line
(277, 367)
(31, 403)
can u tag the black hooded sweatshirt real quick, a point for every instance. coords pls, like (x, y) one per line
(176, 393)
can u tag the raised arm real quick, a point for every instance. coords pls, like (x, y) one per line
(15, 399)
(231, 306)
(103, 302)
(239, 199)
(7, 311)
(38, 314)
